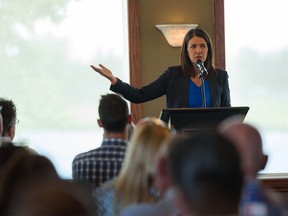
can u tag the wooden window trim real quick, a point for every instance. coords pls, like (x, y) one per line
(219, 34)
(134, 53)
(279, 184)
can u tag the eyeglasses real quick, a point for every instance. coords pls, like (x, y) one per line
(16, 122)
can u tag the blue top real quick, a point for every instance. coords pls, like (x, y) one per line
(104, 198)
(256, 201)
(195, 95)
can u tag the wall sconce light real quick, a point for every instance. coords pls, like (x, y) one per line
(174, 33)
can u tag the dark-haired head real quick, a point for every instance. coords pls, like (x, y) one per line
(185, 61)
(113, 112)
(20, 169)
(206, 170)
(9, 117)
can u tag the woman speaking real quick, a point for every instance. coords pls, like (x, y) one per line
(183, 85)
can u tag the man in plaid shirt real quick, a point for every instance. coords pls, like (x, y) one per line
(104, 163)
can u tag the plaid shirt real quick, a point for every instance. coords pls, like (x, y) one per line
(99, 165)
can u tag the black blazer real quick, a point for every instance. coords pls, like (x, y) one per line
(174, 84)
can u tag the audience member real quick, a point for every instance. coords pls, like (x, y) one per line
(9, 119)
(8, 149)
(206, 173)
(30, 185)
(53, 197)
(255, 199)
(162, 183)
(134, 183)
(104, 163)
(19, 168)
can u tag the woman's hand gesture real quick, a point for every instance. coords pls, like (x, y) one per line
(102, 70)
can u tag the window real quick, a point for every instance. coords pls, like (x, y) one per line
(46, 51)
(256, 60)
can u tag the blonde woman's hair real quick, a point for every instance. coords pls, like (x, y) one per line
(136, 176)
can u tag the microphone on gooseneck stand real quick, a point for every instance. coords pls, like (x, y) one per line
(202, 70)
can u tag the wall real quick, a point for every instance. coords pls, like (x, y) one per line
(156, 53)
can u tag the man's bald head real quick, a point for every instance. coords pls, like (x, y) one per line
(249, 144)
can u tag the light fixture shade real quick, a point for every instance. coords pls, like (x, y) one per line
(174, 33)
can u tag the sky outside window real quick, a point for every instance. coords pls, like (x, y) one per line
(257, 61)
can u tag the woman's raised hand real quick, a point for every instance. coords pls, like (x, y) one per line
(102, 70)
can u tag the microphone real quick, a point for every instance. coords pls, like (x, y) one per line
(202, 70)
